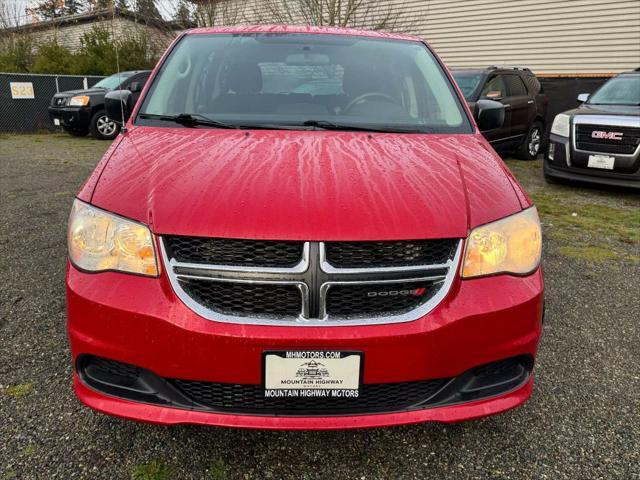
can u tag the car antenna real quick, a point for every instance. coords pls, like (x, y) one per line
(123, 129)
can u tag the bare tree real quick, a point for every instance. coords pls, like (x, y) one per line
(371, 14)
(208, 13)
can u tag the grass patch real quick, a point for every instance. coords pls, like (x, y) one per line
(601, 222)
(18, 391)
(28, 451)
(593, 254)
(515, 164)
(217, 470)
(589, 231)
(151, 471)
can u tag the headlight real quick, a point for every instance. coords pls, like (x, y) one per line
(511, 245)
(561, 125)
(79, 101)
(100, 241)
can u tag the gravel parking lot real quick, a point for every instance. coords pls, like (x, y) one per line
(583, 420)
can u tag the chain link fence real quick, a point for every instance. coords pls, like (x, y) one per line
(24, 98)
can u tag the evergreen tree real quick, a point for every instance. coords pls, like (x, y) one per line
(122, 4)
(147, 9)
(72, 7)
(48, 9)
(183, 14)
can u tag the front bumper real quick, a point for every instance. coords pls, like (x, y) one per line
(567, 163)
(71, 117)
(141, 322)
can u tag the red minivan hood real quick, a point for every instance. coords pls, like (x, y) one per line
(303, 185)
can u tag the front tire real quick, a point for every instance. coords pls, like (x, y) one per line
(102, 128)
(532, 144)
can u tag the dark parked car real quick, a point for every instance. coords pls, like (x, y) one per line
(599, 142)
(525, 104)
(80, 112)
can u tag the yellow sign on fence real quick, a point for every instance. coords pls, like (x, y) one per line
(22, 90)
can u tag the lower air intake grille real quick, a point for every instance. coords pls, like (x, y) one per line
(244, 299)
(390, 254)
(250, 398)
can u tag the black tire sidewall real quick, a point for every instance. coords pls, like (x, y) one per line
(523, 151)
(93, 127)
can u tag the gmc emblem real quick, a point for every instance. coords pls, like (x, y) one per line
(606, 135)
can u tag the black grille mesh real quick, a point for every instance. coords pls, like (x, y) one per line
(389, 254)
(371, 299)
(245, 299)
(250, 253)
(112, 367)
(382, 397)
(626, 146)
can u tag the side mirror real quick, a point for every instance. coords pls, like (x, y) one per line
(583, 97)
(489, 115)
(135, 87)
(118, 105)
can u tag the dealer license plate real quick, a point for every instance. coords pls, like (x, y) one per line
(56, 122)
(601, 161)
(312, 374)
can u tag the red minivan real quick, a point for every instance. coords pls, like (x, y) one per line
(302, 228)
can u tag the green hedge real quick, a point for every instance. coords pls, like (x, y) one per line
(96, 56)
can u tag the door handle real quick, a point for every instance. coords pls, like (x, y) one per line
(507, 105)
(530, 102)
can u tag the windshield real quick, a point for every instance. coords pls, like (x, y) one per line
(623, 90)
(113, 81)
(304, 81)
(468, 83)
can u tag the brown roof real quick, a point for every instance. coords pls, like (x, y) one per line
(92, 16)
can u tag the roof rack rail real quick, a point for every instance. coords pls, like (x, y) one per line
(505, 67)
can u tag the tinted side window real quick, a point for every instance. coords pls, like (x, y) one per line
(533, 84)
(515, 86)
(495, 88)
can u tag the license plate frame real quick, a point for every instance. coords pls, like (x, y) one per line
(602, 162)
(312, 373)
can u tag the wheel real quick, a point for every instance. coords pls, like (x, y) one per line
(76, 132)
(530, 148)
(102, 128)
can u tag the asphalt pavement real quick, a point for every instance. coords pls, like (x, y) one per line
(583, 421)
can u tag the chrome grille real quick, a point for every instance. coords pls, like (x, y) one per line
(627, 144)
(328, 285)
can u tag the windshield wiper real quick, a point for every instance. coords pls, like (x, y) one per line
(326, 125)
(189, 120)
(196, 119)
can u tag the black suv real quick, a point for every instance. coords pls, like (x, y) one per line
(599, 142)
(524, 101)
(80, 112)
